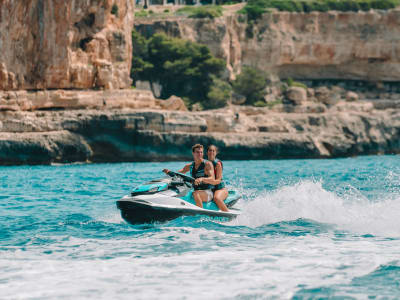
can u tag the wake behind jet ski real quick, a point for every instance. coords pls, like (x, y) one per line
(169, 198)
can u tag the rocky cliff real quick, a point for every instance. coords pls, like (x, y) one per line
(62, 49)
(44, 137)
(307, 46)
(58, 44)
(81, 99)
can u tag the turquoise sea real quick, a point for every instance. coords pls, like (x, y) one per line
(310, 229)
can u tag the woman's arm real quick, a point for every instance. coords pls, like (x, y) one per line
(218, 173)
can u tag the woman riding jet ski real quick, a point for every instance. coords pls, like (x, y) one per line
(203, 173)
(169, 198)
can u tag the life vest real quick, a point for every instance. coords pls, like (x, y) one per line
(200, 172)
(221, 185)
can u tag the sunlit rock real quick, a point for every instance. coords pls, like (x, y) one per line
(48, 44)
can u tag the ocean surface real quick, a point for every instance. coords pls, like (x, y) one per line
(309, 229)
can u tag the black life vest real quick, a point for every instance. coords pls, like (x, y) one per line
(200, 172)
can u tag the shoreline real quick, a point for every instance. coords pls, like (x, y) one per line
(241, 133)
(188, 160)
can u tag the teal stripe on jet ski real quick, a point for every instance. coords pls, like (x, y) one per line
(147, 187)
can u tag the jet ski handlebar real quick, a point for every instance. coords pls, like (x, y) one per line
(183, 176)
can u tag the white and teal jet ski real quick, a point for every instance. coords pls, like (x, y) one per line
(169, 198)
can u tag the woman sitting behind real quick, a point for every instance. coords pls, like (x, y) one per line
(219, 190)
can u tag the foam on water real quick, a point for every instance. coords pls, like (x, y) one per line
(114, 217)
(309, 200)
(309, 229)
(169, 262)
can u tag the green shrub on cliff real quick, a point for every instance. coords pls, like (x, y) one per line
(141, 13)
(251, 83)
(290, 82)
(205, 11)
(255, 8)
(275, 102)
(310, 6)
(180, 67)
(220, 93)
(260, 103)
(141, 67)
(384, 4)
(288, 5)
(114, 9)
(253, 11)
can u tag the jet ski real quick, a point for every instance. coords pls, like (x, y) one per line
(168, 198)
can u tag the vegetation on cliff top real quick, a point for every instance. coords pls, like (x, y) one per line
(199, 12)
(255, 8)
(188, 70)
(179, 67)
(205, 11)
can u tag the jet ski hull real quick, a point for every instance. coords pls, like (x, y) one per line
(169, 198)
(138, 213)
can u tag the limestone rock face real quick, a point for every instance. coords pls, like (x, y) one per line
(42, 148)
(351, 96)
(42, 137)
(58, 44)
(326, 96)
(76, 99)
(309, 46)
(296, 95)
(173, 103)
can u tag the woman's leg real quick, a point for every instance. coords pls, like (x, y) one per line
(219, 197)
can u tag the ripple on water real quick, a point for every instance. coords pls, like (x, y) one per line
(309, 229)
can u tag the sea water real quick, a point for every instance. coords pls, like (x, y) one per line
(309, 229)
